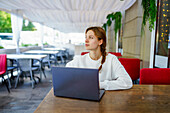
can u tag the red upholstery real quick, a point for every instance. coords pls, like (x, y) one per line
(156, 76)
(132, 66)
(115, 53)
(3, 63)
(83, 53)
(3, 68)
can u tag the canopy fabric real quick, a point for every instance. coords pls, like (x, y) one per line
(17, 22)
(66, 15)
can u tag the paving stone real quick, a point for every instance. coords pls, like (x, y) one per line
(24, 99)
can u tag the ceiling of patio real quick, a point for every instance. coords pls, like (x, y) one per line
(66, 15)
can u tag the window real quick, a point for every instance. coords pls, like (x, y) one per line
(162, 47)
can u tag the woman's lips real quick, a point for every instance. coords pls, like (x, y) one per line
(86, 44)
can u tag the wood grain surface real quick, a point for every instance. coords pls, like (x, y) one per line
(139, 99)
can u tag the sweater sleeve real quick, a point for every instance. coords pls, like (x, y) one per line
(73, 63)
(122, 81)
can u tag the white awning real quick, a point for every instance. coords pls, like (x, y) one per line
(66, 15)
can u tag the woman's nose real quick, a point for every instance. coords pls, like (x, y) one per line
(86, 40)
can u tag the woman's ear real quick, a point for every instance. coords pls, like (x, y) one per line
(100, 42)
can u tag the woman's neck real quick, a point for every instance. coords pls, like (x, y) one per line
(95, 55)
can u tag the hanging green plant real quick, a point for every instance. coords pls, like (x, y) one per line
(114, 17)
(104, 26)
(117, 25)
(110, 18)
(149, 13)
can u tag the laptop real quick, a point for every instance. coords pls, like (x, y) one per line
(80, 83)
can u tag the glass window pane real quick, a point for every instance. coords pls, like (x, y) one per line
(163, 29)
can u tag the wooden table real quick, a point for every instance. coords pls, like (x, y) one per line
(139, 99)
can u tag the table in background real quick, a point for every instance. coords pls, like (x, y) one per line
(63, 52)
(139, 99)
(24, 56)
(41, 52)
(54, 49)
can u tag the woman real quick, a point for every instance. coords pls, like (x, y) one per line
(112, 75)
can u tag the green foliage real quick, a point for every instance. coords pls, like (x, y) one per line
(5, 22)
(110, 18)
(104, 26)
(29, 27)
(109, 22)
(57, 34)
(117, 25)
(1, 47)
(149, 13)
(45, 43)
(26, 45)
(114, 17)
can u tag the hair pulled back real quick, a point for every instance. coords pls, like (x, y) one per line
(101, 35)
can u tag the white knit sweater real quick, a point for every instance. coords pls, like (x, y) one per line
(112, 76)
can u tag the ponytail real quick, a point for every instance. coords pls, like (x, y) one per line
(103, 50)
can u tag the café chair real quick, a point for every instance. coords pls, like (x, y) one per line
(11, 66)
(42, 63)
(25, 65)
(3, 69)
(155, 76)
(11, 70)
(60, 57)
(66, 55)
(132, 66)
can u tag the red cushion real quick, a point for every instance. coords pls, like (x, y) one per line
(83, 53)
(115, 53)
(132, 66)
(3, 63)
(155, 76)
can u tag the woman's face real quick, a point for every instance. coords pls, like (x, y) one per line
(92, 42)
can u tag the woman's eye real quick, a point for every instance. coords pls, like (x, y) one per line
(91, 37)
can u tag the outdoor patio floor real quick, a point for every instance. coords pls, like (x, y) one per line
(24, 99)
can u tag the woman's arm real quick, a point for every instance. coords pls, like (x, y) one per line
(120, 78)
(73, 63)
